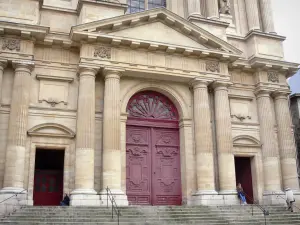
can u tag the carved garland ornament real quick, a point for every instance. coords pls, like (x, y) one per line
(212, 66)
(273, 77)
(52, 101)
(11, 44)
(103, 52)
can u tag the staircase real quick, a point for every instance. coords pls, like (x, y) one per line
(183, 215)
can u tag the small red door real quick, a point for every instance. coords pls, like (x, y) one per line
(244, 176)
(48, 187)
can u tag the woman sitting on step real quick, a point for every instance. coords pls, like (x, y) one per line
(65, 201)
(241, 194)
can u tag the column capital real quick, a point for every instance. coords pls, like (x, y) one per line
(221, 85)
(262, 93)
(3, 64)
(197, 83)
(26, 66)
(281, 94)
(112, 72)
(87, 71)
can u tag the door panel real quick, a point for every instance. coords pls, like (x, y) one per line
(166, 182)
(138, 165)
(48, 187)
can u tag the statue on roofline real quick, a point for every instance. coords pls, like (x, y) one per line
(224, 7)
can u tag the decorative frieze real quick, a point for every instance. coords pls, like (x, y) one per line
(212, 66)
(102, 52)
(273, 77)
(11, 44)
(241, 117)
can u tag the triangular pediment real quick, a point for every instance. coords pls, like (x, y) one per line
(157, 27)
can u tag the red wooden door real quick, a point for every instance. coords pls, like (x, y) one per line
(48, 187)
(152, 151)
(166, 182)
(244, 176)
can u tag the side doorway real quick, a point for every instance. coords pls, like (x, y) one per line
(48, 177)
(244, 176)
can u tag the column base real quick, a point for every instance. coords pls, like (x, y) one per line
(119, 196)
(84, 197)
(215, 198)
(274, 198)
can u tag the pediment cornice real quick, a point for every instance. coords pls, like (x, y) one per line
(103, 32)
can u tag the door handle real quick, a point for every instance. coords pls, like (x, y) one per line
(154, 172)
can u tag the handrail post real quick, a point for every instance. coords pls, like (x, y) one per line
(107, 197)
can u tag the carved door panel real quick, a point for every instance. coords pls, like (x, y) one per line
(138, 165)
(166, 182)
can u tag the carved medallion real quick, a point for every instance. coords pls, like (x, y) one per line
(273, 77)
(11, 44)
(212, 66)
(103, 52)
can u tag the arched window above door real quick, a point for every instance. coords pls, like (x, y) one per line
(141, 5)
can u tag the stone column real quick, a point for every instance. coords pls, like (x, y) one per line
(271, 169)
(224, 140)
(203, 141)
(266, 16)
(84, 193)
(3, 64)
(112, 136)
(212, 9)
(194, 8)
(252, 14)
(287, 147)
(17, 129)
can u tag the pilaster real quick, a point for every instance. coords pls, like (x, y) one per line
(271, 168)
(17, 129)
(266, 16)
(227, 179)
(3, 64)
(203, 143)
(287, 149)
(194, 8)
(112, 137)
(252, 14)
(212, 9)
(84, 193)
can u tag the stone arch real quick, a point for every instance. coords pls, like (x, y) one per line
(166, 90)
(246, 140)
(51, 130)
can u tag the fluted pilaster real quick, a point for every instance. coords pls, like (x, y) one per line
(270, 156)
(111, 131)
(85, 135)
(287, 147)
(203, 138)
(266, 16)
(224, 138)
(17, 129)
(194, 8)
(252, 14)
(212, 9)
(3, 64)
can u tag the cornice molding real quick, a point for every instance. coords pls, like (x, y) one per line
(54, 78)
(100, 2)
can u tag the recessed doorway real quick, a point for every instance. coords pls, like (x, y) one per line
(244, 176)
(48, 177)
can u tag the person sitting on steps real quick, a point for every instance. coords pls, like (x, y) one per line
(65, 201)
(289, 198)
(241, 194)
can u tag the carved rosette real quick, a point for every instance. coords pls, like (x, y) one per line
(11, 44)
(273, 77)
(212, 66)
(103, 52)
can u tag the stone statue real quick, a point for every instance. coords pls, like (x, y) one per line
(224, 7)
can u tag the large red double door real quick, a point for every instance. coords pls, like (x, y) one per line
(153, 166)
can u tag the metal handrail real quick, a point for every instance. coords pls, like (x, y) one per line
(265, 212)
(277, 195)
(114, 207)
(14, 195)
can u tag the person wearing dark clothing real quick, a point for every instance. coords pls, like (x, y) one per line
(65, 201)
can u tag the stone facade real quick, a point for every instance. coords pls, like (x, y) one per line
(69, 68)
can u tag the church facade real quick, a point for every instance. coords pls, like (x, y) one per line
(163, 102)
